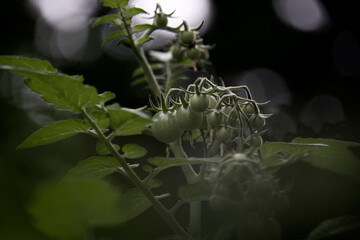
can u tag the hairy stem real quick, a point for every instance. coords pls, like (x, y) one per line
(163, 212)
(143, 62)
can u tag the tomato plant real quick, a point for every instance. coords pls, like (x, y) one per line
(213, 135)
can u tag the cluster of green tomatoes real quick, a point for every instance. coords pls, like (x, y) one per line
(188, 43)
(207, 107)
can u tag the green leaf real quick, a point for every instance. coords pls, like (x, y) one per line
(101, 148)
(335, 226)
(55, 132)
(132, 203)
(67, 92)
(143, 40)
(337, 157)
(138, 81)
(16, 62)
(115, 3)
(139, 70)
(93, 168)
(104, 19)
(106, 96)
(68, 210)
(154, 183)
(132, 127)
(125, 41)
(135, 11)
(113, 36)
(279, 154)
(163, 163)
(126, 121)
(133, 151)
(62, 90)
(142, 27)
(195, 192)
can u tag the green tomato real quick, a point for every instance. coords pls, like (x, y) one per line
(188, 119)
(248, 109)
(165, 127)
(199, 102)
(255, 141)
(215, 118)
(223, 134)
(212, 101)
(204, 54)
(160, 20)
(177, 52)
(257, 122)
(193, 53)
(187, 37)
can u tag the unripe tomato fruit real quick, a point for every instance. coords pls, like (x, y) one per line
(255, 141)
(248, 109)
(204, 54)
(160, 20)
(257, 122)
(212, 101)
(165, 127)
(215, 118)
(177, 52)
(199, 102)
(223, 134)
(193, 53)
(187, 37)
(188, 119)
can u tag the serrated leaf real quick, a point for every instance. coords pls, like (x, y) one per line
(132, 203)
(104, 19)
(55, 132)
(67, 92)
(135, 11)
(334, 226)
(337, 157)
(113, 36)
(63, 91)
(69, 209)
(16, 62)
(195, 192)
(163, 163)
(101, 148)
(93, 168)
(142, 27)
(143, 40)
(133, 151)
(115, 3)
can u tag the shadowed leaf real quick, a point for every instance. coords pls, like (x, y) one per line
(55, 132)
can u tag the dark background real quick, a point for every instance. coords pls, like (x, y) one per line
(325, 62)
